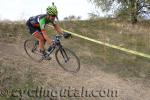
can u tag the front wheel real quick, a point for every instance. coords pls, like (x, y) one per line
(67, 59)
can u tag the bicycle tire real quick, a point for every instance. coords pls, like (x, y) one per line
(29, 51)
(75, 63)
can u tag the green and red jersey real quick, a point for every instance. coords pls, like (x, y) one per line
(40, 21)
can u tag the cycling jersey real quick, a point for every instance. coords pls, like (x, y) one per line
(40, 21)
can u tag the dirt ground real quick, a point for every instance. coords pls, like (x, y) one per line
(89, 77)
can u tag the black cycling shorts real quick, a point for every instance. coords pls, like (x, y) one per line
(31, 28)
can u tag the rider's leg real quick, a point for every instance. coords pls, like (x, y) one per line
(35, 32)
(40, 38)
(48, 40)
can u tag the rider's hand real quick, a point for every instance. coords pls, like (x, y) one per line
(66, 35)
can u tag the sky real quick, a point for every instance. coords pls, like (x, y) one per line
(23, 9)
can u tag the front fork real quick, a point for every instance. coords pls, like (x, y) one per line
(64, 54)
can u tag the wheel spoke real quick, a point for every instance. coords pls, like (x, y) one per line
(67, 59)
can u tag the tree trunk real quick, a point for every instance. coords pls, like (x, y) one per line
(133, 11)
(134, 18)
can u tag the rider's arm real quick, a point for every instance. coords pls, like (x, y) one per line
(58, 29)
(42, 27)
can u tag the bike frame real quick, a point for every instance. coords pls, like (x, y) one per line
(60, 53)
(56, 45)
(59, 47)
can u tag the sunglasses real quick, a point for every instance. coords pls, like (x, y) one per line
(53, 15)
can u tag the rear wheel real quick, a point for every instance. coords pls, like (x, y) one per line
(67, 59)
(31, 49)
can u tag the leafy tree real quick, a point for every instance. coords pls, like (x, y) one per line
(129, 8)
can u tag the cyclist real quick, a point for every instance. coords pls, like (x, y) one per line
(36, 26)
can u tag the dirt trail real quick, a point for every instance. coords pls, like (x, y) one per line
(89, 77)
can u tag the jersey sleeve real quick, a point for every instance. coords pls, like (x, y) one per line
(42, 23)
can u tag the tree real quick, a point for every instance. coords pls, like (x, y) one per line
(72, 17)
(93, 15)
(130, 8)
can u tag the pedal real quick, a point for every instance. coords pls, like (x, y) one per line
(46, 58)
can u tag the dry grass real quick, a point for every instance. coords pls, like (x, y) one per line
(134, 37)
(22, 73)
(124, 34)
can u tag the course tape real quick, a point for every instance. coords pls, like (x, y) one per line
(110, 45)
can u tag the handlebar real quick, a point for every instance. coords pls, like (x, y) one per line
(57, 38)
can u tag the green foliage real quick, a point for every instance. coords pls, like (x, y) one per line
(130, 8)
(105, 5)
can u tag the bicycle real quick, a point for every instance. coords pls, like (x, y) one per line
(63, 56)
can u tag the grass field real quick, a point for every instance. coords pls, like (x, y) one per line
(95, 59)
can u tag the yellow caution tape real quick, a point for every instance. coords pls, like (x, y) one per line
(110, 45)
